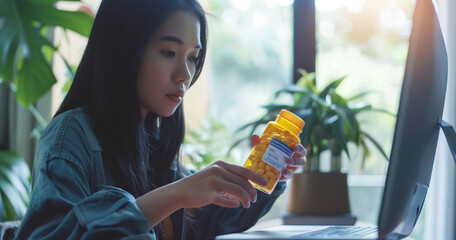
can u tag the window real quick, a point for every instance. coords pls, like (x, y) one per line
(250, 56)
(367, 40)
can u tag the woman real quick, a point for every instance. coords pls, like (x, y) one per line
(107, 165)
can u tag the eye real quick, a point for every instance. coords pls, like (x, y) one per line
(169, 53)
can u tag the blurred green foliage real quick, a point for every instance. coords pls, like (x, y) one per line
(25, 49)
(14, 186)
(205, 145)
(26, 52)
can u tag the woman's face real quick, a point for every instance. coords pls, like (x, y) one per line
(169, 64)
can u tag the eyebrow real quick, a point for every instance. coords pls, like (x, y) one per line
(176, 40)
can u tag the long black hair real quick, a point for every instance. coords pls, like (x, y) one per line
(105, 85)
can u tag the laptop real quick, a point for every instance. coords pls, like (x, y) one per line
(414, 143)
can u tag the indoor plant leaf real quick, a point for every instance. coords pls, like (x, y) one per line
(383, 111)
(331, 87)
(35, 77)
(338, 130)
(22, 42)
(14, 184)
(376, 144)
(360, 107)
(359, 95)
(274, 109)
(351, 125)
(365, 153)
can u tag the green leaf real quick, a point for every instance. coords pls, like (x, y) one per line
(359, 95)
(296, 90)
(274, 109)
(383, 111)
(9, 210)
(307, 80)
(14, 185)
(35, 78)
(351, 125)
(24, 47)
(376, 144)
(293, 89)
(11, 177)
(338, 100)
(14, 198)
(75, 21)
(12, 160)
(71, 71)
(307, 116)
(360, 107)
(331, 87)
(337, 127)
(8, 46)
(366, 153)
(3, 214)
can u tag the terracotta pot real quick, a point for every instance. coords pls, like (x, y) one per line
(317, 193)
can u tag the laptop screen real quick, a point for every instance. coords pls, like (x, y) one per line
(417, 126)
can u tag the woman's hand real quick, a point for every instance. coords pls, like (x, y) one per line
(222, 184)
(297, 160)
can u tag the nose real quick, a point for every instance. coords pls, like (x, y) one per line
(183, 72)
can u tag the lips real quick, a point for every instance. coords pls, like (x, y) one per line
(176, 96)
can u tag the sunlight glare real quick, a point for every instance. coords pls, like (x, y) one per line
(326, 28)
(396, 20)
(229, 15)
(355, 6)
(259, 19)
(242, 4)
(329, 5)
(280, 2)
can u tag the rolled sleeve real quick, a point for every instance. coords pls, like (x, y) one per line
(62, 207)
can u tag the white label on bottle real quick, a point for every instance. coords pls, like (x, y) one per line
(276, 153)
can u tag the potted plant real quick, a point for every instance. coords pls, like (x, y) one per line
(26, 69)
(331, 124)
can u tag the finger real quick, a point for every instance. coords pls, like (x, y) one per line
(299, 150)
(243, 172)
(286, 174)
(235, 192)
(295, 162)
(226, 202)
(254, 140)
(243, 183)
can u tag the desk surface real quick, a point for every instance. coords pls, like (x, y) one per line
(278, 222)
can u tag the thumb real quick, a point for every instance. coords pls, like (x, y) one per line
(254, 140)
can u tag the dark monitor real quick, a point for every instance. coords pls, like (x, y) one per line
(417, 126)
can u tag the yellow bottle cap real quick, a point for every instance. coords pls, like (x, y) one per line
(294, 123)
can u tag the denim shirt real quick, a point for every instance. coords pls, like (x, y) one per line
(72, 199)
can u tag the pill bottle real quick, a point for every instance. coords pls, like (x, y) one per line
(275, 146)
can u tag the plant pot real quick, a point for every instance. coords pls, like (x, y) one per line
(318, 193)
